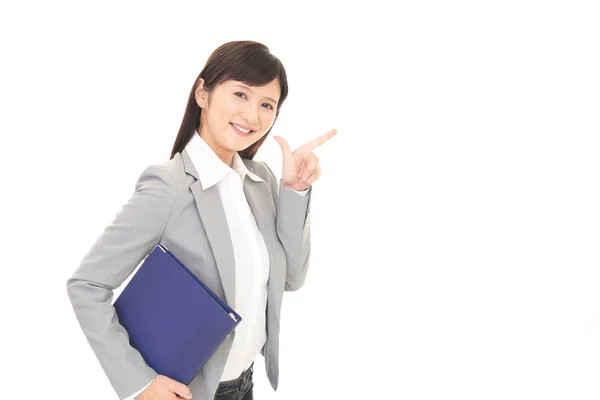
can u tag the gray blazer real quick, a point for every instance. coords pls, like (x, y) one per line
(169, 206)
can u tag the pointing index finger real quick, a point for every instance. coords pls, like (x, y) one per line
(313, 144)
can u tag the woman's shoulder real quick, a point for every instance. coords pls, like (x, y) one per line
(169, 173)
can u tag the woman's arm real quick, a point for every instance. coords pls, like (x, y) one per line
(134, 232)
(293, 229)
(300, 168)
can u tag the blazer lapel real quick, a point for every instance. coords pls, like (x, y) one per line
(212, 214)
(260, 201)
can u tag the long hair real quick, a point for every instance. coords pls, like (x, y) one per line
(245, 61)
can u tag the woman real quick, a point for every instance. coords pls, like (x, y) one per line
(224, 216)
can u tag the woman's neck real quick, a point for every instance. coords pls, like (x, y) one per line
(224, 155)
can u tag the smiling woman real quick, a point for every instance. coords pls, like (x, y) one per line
(248, 83)
(248, 240)
(231, 107)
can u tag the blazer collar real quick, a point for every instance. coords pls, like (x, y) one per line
(208, 168)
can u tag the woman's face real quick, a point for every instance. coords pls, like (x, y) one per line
(235, 115)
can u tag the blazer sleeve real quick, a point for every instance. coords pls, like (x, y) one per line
(293, 229)
(133, 233)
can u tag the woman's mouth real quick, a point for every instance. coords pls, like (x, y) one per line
(240, 130)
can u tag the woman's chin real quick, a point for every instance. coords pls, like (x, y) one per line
(243, 143)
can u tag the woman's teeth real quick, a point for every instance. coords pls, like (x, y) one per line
(239, 128)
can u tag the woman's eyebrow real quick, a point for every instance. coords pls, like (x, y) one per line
(246, 87)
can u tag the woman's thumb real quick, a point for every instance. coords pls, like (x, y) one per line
(285, 147)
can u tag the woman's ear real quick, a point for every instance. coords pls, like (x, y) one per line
(201, 95)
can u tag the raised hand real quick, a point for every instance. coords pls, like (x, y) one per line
(301, 167)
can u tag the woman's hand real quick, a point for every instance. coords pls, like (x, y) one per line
(165, 388)
(301, 167)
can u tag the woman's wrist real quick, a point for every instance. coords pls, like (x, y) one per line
(296, 187)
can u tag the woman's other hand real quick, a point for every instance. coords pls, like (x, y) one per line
(165, 388)
(301, 167)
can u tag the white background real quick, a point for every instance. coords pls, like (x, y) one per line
(455, 228)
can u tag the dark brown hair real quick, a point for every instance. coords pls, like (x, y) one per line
(245, 61)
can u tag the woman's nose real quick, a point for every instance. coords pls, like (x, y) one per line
(251, 114)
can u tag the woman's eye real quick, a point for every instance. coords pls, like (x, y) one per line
(243, 96)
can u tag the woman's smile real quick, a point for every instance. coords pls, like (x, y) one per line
(240, 130)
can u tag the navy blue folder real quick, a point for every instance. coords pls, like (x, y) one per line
(173, 319)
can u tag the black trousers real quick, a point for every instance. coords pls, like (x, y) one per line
(237, 389)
